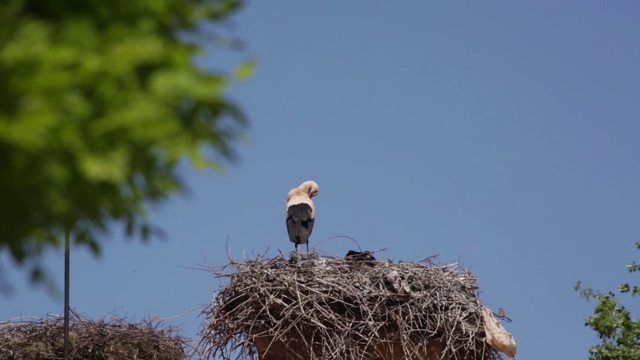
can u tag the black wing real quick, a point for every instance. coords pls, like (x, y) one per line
(299, 223)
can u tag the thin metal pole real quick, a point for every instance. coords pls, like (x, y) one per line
(66, 292)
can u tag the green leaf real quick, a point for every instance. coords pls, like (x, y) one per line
(246, 69)
(99, 101)
(618, 331)
(111, 166)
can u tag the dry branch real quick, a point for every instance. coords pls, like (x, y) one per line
(339, 308)
(113, 339)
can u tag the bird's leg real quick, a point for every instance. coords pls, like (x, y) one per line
(307, 247)
(296, 247)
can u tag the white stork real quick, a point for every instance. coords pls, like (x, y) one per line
(301, 212)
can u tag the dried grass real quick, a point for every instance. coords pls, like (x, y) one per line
(341, 308)
(113, 339)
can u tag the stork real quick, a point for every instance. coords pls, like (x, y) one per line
(301, 213)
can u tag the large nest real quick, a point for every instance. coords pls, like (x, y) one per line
(113, 339)
(345, 308)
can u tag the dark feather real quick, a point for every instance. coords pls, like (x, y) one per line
(299, 223)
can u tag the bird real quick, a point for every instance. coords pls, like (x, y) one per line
(502, 315)
(301, 213)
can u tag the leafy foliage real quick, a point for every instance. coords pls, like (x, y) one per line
(619, 332)
(99, 103)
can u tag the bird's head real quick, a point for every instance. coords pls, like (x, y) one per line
(310, 188)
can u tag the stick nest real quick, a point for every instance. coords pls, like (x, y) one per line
(345, 308)
(114, 339)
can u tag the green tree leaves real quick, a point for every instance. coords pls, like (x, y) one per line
(619, 332)
(99, 101)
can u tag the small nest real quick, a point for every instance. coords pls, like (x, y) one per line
(345, 308)
(115, 339)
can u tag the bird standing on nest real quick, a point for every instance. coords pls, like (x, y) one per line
(301, 213)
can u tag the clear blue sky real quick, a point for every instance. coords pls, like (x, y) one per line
(505, 135)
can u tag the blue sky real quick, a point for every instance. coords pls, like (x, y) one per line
(504, 135)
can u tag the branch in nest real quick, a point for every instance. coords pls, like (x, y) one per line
(320, 308)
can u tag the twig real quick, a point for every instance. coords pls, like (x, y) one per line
(342, 308)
